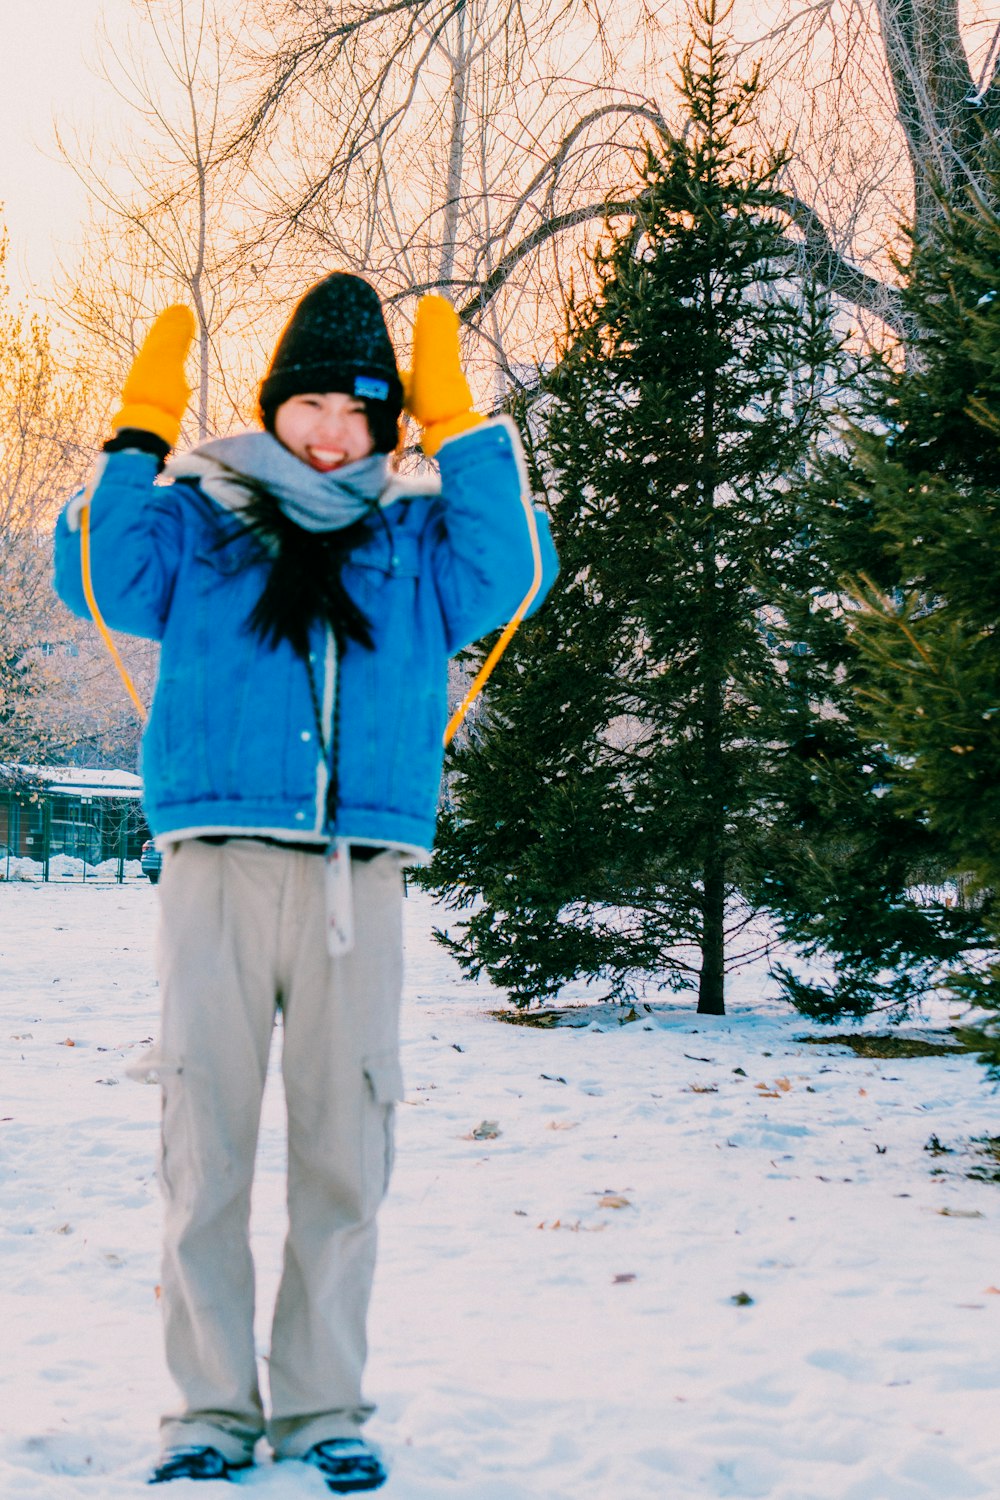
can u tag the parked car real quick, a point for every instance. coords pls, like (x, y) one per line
(151, 861)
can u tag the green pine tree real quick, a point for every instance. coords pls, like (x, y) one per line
(606, 809)
(853, 876)
(928, 625)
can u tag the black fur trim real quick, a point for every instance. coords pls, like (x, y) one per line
(137, 438)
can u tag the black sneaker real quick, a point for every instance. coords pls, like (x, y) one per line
(347, 1464)
(193, 1463)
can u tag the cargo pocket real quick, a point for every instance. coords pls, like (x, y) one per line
(383, 1090)
(152, 1068)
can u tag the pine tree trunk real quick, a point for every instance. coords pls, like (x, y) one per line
(711, 981)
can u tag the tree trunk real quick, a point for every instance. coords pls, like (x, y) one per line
(711, 982)
(456, 150)
(946, 118)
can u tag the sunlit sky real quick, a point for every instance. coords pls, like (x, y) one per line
(47, 48)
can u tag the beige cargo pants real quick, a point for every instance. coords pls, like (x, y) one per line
(242, 935)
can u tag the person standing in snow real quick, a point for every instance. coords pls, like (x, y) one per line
(306, 600)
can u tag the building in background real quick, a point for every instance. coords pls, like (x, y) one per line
(90, 815)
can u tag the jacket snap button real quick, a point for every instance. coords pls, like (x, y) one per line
(306, 735)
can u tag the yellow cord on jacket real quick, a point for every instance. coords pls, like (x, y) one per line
(454, 723)
(482, 676)
(95, 613)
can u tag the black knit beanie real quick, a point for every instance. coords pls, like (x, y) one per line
(336, 340)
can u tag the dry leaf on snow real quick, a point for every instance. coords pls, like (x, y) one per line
(774, 1090)
(576, 1227)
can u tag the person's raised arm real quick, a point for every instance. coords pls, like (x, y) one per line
(123, 557)
(156, 393)
(493, 555)
(437, 392)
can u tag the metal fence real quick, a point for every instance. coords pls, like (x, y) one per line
(48, 835)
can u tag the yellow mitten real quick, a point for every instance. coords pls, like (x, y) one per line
(437, 392)
(156, 391)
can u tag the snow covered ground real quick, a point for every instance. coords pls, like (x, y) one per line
(699, 1259)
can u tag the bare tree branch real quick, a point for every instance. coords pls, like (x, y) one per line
(835, 273)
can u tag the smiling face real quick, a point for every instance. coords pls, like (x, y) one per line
(325, 430)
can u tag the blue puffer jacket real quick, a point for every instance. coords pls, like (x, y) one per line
(232, 743)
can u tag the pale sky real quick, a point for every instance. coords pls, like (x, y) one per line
(46, 49)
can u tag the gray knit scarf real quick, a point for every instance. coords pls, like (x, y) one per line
(314, 501)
